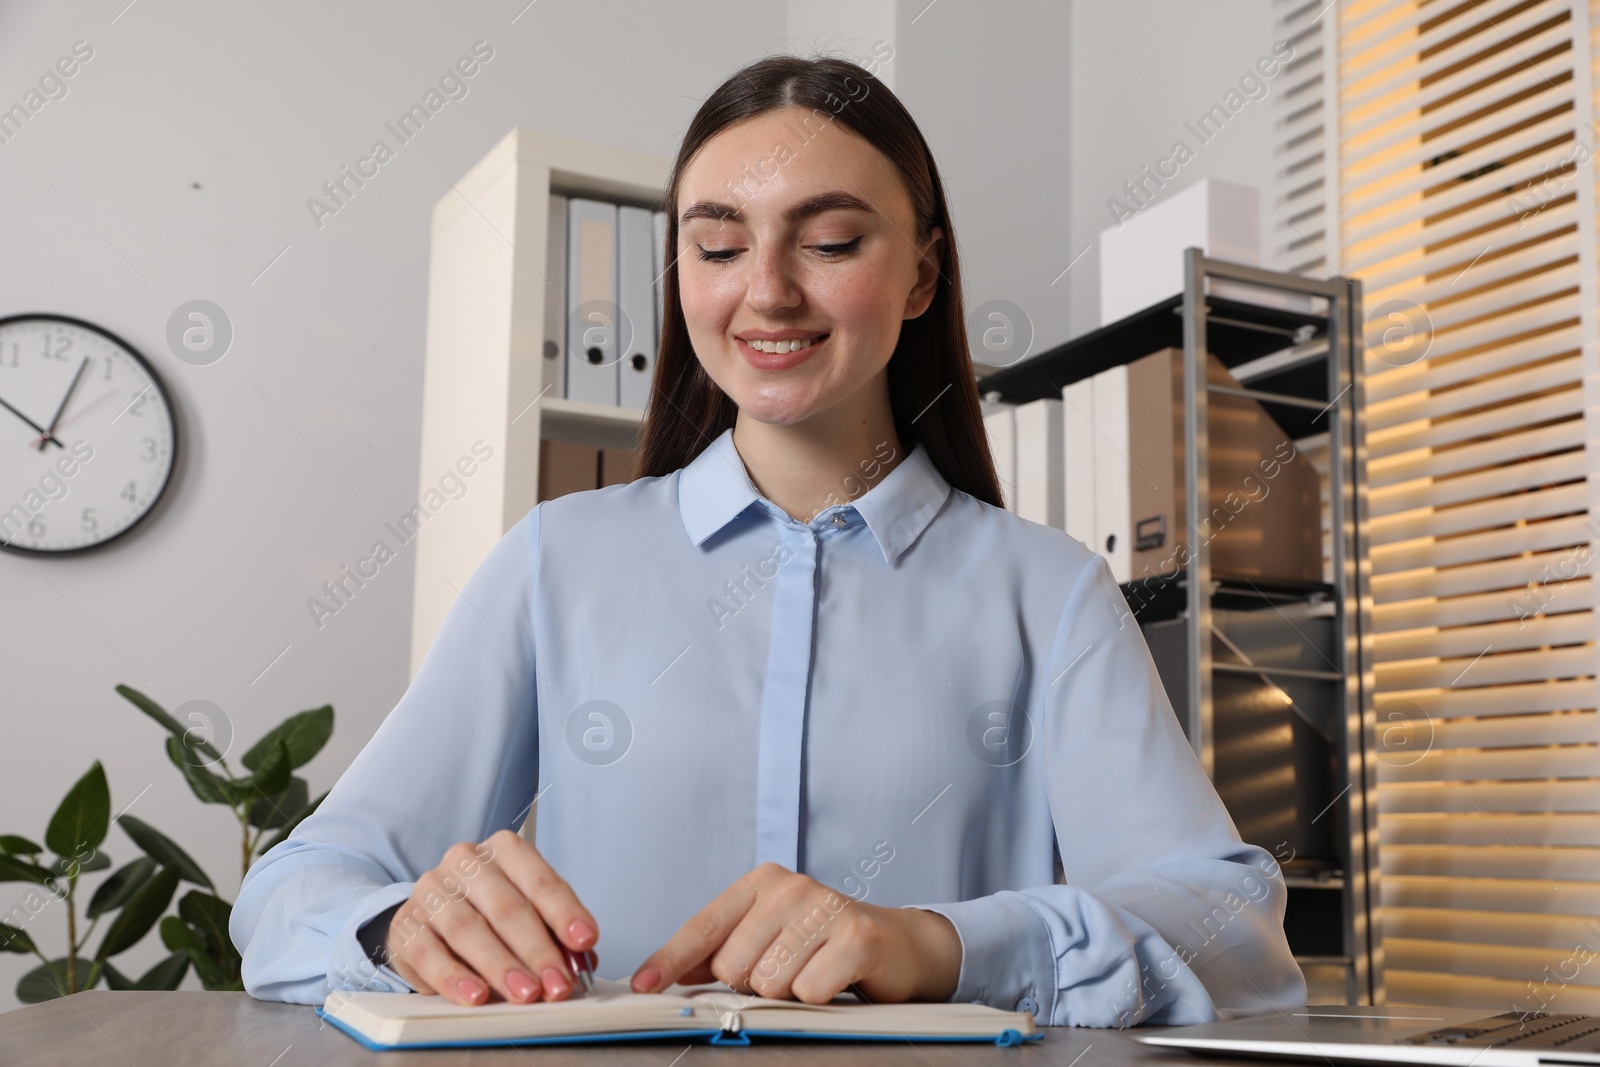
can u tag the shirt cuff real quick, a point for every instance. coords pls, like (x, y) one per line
(355, 962)
(374, 934)
(1006, 958)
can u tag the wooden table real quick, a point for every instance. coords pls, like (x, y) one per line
(161, 1029)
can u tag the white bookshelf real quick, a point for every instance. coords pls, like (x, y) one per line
(483, 364)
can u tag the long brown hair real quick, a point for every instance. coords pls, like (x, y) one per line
(930, 374)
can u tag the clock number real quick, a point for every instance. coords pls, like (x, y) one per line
(36, 526)
(129, 492)
(136, 408)
(108, 368)
(90, 523)
(60, 349)
(149, 452)
(14, 347)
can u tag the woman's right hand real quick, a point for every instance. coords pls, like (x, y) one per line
(482, 920)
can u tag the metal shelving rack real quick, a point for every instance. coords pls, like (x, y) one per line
(1297, 353)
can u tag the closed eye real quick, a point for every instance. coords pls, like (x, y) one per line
(831, 251)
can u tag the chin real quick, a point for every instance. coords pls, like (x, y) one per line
(774, 414)
(778, 405)
(766, 400)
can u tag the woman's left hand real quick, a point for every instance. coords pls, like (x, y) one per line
(783, 935)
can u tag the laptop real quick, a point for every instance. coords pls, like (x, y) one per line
(1467, 1037)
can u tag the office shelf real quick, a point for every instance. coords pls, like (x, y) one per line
(1159, 599)
(1277, 672)
(483, 370)
(1267, 676)
(1299, 881)
(585, 423)
(1240, 332)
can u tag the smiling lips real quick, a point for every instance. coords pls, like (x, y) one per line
(779, 350)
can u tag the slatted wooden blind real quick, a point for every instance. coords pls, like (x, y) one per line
(1443, 153)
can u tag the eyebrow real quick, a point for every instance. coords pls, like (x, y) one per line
(812, 205)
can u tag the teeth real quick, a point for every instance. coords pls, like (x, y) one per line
(783, 346)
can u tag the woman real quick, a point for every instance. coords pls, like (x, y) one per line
(803, 708)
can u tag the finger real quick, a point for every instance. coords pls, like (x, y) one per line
(786, 920)
(829, 971)
(696, 939)
(515, 920)
(428, 966)
(465, 931)
(558, 905)
(690, 956)
(699, 974)
(417, 983)
(798, 928)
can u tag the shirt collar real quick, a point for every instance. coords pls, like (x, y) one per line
(715, 488)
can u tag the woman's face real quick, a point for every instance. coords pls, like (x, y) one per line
(796, 226)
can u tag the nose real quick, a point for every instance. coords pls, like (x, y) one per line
(772, 285)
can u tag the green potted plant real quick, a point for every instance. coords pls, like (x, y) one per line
(269, 801)
(271, 798)
(131, 899)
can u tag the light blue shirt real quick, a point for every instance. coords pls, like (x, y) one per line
(916, 698)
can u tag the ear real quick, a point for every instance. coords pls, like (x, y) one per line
(921, 294)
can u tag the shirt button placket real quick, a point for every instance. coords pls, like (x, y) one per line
(784, 698)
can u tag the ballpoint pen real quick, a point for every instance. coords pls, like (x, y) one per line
(582, 969)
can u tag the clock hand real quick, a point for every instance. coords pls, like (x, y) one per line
(50, 433)
(46, 435)
(80, 413)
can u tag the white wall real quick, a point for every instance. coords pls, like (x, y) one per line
(1141, 70)
(181, 161)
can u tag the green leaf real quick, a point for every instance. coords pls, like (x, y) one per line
(178, 936)
(14, 939)
(304, 734)
(15, 870)
(273, 777)
(208, 915)
(70, 867)
(139, 914)
(120, 887)
(210, 788)
(81, 820)
(12, 845)
(165, 975)
(163, 850)
(173, 726)
(267, 813)
(40, 984)
(115, 979)
(292, 823)
(205, 921)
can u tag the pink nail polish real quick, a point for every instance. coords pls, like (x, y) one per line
(521, 984)
(555, 983)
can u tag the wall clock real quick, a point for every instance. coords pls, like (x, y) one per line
(87, 435)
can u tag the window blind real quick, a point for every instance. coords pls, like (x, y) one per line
(1448, 163)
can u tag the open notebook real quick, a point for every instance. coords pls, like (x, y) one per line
(613, 1012)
